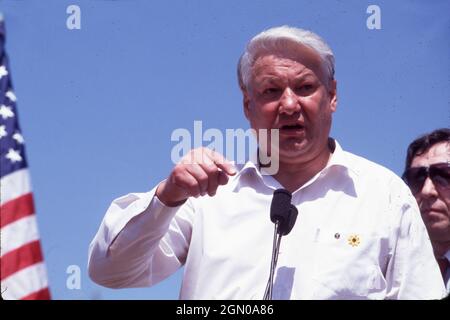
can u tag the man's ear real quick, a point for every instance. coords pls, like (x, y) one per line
(332, 91)
(246, 103)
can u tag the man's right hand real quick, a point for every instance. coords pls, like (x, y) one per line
(198, 173)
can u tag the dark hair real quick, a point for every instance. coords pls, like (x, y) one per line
(425, 142)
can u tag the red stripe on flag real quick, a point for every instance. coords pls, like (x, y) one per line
(16, 209)
(43, 294)
(20, 258)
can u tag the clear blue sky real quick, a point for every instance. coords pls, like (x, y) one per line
(98, 105)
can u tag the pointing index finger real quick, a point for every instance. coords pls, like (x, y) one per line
(221, 162)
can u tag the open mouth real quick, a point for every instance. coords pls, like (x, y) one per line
(292, 127)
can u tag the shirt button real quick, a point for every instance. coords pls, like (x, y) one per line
(337, 235)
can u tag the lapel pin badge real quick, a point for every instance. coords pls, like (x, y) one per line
(354, 240)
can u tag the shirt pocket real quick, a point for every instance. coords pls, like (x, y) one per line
(347, 266)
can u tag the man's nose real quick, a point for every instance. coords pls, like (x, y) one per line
(428, 189)
(289, 102)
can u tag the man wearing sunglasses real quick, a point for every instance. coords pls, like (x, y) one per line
(427, 173)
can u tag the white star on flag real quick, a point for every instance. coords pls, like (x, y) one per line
(3, 71)
(18, 137)
(13, 155)
(3, 132)
(6, 112)
(11, 96)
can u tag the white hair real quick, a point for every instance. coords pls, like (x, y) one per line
(275, 40)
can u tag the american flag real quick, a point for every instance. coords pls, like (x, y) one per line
(23, 273)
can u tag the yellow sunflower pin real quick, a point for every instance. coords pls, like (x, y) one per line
(353, 240)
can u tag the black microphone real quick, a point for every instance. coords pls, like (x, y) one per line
(288, 223)
(284, 215)
(281, 203)
(282, 211)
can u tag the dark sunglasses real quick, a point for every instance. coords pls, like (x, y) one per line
(439, 173)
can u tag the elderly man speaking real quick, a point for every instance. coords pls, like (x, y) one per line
(359, 234)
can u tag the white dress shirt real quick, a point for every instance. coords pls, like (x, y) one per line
(358, 235)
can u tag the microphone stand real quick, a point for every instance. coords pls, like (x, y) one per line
(283, 214)
(282, 228)
(275, 251)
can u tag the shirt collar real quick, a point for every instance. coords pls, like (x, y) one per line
(338, 159)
